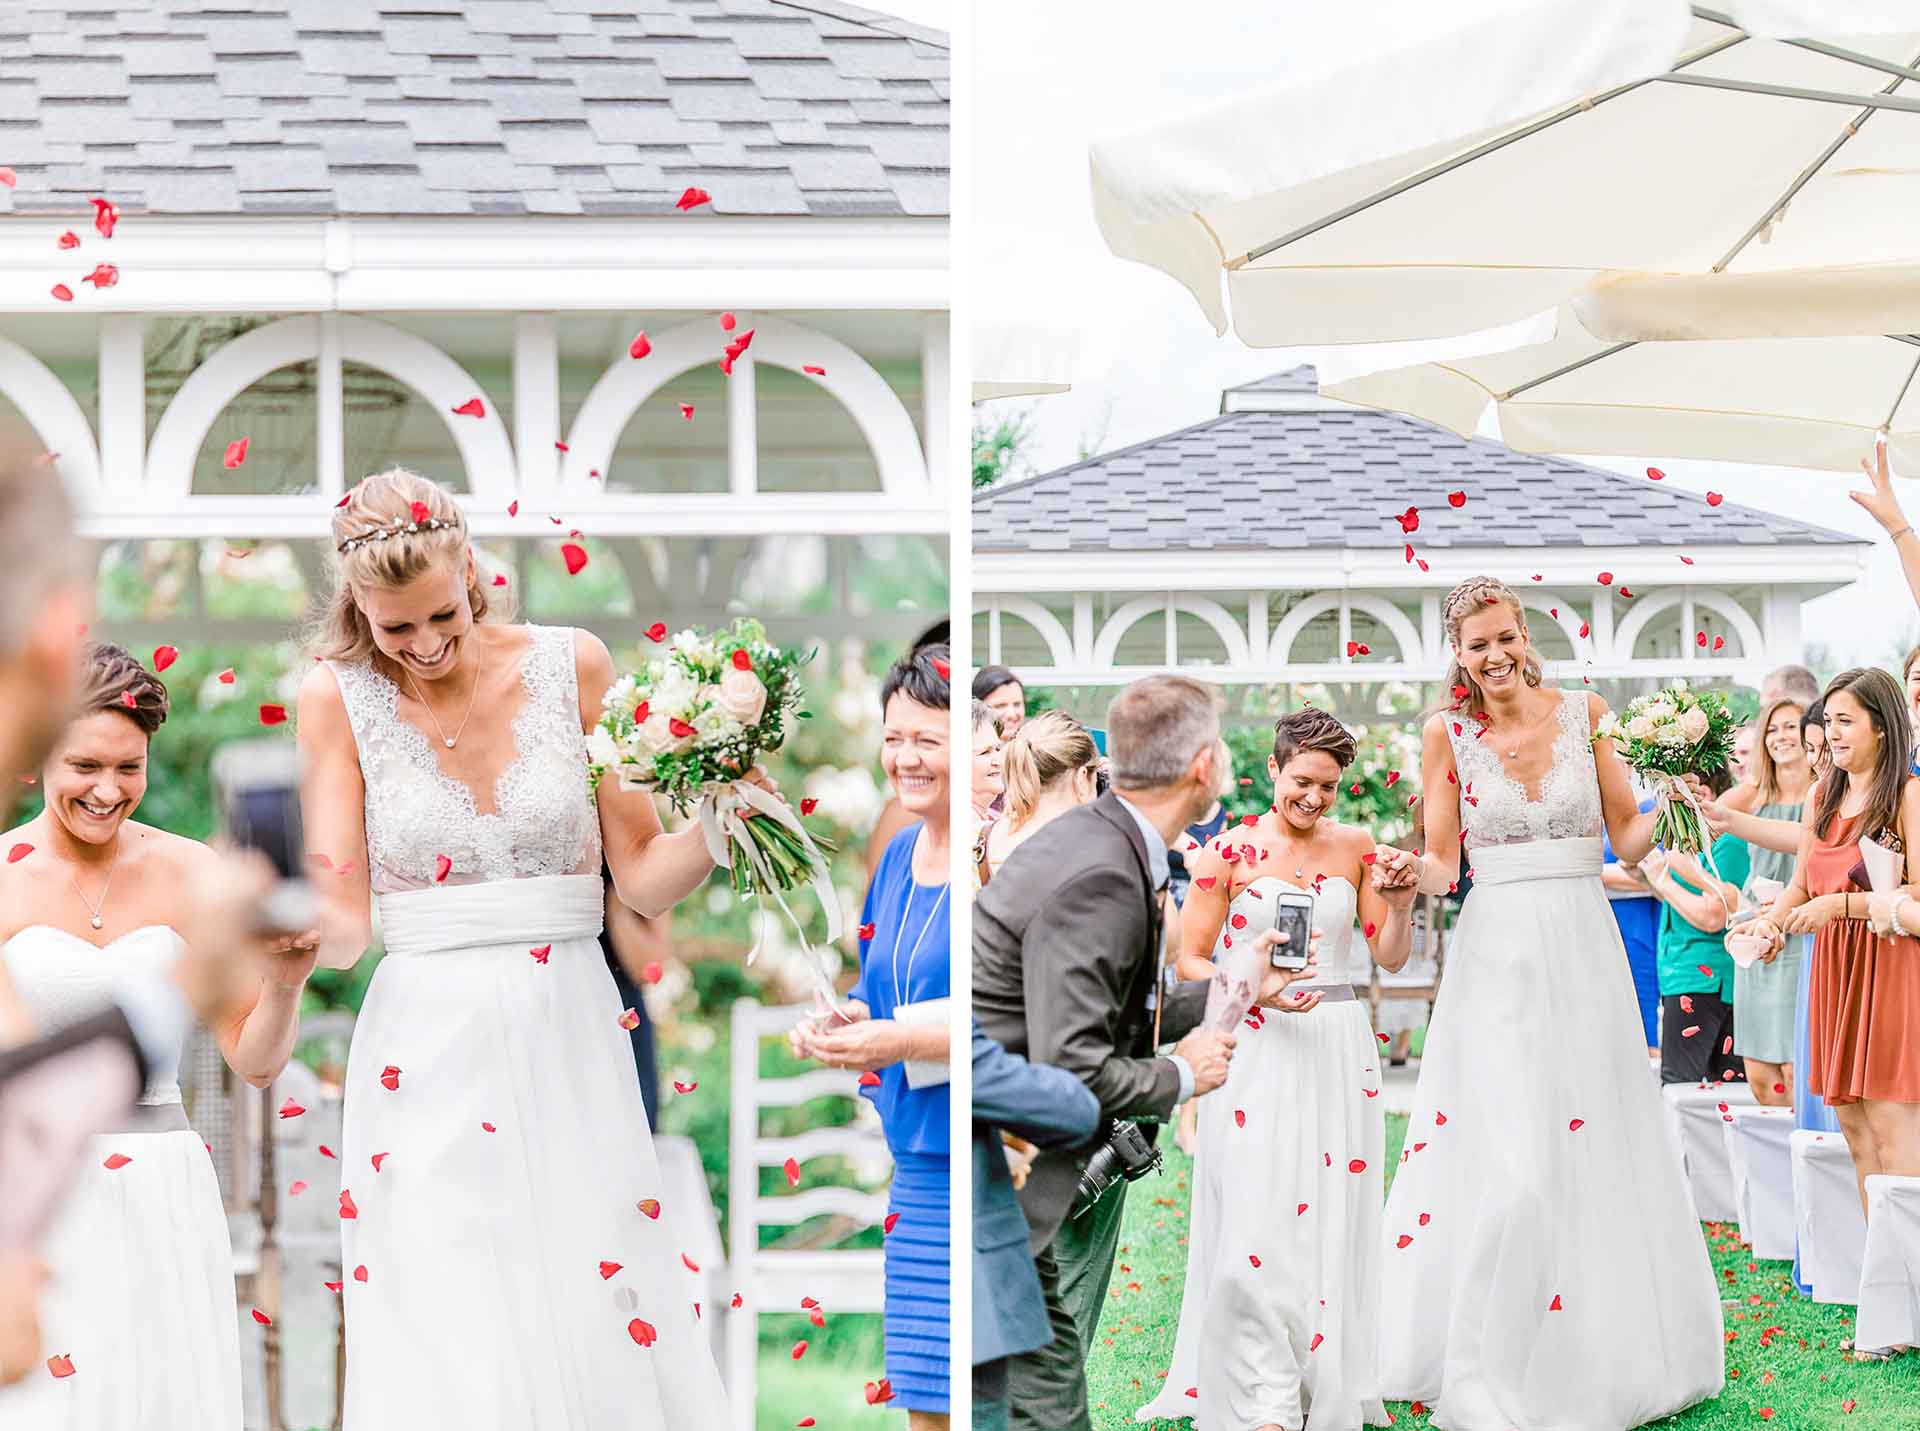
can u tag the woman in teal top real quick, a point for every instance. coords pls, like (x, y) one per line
(1765, 994)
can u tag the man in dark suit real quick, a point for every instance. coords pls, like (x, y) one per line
(1046, 1106)
(1067, 971)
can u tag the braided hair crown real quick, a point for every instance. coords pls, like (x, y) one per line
(1470, 596)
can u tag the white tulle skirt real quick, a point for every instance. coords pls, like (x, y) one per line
(140, 1299)
(483, 1303)
(1561, 1282)
(1296, 1335)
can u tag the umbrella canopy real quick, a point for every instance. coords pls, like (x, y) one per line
(1023, 360)
(1584, 143)
(1791, 402)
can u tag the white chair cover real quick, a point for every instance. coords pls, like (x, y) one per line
(1890, 1268)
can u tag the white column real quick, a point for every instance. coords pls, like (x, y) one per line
(1257, 628)
(536, 402)
(1083, 629)
(1433, 633)
(1173, 646)
(1346, 632)
(1688, 651)
(935, 395)
(1601, 628)
(743, 433)
(123, 402)
(993, 631)
(1780, 630)
(330, 455)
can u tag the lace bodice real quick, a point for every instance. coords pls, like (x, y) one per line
(543, 821)
(1333, 916)
(1494, 808)
(62, 978)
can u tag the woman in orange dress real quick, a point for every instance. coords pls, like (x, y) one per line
(1864, 991)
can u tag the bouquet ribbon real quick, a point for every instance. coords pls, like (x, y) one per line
(1672, 786)
(722, 818)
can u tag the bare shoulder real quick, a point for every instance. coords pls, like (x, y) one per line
(1434, 734)
(591, 657)
(320, 695)
(1596, 708)
(175, 854)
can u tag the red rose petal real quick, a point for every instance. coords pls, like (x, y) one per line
(165, 656)
(1300, 1211)
(1358, 1165)
(1456, 500)
(1656, 474)
(1253, 1259)
(880, 1392)
(1314, 1345)
(792, 1168)
(651, 971)
(650, 1206)
(887, 1224)
(575, 556)
(686, 411)
(679, 1087)
(390, 1078)
(1405, 1240)
(62, 1366)
(629, 1020)
(607, 1269)
(1439, 1120)
(487, 1128)
(115, 1162)
(104, 275)
(226, 677)
(639, 347)
(869, 1079)
(236, 452)
(378, 1159)
(1576, 1125)
(1714, 499)
(1207, 881)
(1240, 1117)
(541, 954)
(642, 1333)
(290, 1109)
(866, 932)
(62, 292)
(816, 372)
(273, 715)
(348, 1209)
(1554, 1305)
(297, 1187)
(1689, 1031)
(442, 867)
(808, 806)
(325, 1151)
(799, 1350)
(1425, 1218)
(693, 199)
(105, 215)
(472, 407)
(262, 1318)
(18, 853)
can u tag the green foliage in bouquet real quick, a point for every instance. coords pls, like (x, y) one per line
(1676, 731)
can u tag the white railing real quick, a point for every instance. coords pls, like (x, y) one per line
(775, 1279)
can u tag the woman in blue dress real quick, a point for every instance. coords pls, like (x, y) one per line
(895, 1023)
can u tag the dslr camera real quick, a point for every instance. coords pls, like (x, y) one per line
(1127, 1155)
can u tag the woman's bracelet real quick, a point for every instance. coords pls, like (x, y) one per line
(1893, 916)
(1905, 531)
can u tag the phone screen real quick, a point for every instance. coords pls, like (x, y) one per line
(1293, 917)
(267, 818)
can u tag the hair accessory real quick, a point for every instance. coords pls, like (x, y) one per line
(381, 534)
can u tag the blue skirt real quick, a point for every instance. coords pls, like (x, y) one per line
(1808, 1109)
(919, 1281)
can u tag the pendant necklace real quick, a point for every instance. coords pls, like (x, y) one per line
(95, 917)
(450, 740)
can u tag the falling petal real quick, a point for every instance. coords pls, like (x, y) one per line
(642, 1332)
(639, 347)
(115, 1162)
(236, 452)
(686, 411)
(792, 1168)
(62, 292)
(273, 715)
(290, 1109)
(693, 199)
(262, 1318)
(18, 853)
(472, 407)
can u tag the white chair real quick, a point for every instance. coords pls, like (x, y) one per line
(1890, 1266)
(1698, 1114)
(1826, 1212)
(1762, 1167)
(775, 1279)
(697, 1224)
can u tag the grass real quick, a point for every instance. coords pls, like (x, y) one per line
(1797, 1374)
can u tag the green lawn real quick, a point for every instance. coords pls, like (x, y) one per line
(1799, 1376)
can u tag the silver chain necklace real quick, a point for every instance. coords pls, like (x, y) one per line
(451, 740)
(95, 917)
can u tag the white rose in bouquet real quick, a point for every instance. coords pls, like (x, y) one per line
(742, 695)
(654, 736)
(675, 694)
(712, 722)
(1658, 709)
(1693, 725)
(1672, 735)
(602, 748)
(1641, 727)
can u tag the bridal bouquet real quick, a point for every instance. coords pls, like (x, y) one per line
(688, 725)
(1665, 736)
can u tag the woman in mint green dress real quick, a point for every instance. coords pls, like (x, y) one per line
(1767, 816)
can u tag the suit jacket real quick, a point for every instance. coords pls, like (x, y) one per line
(1066, 951)
(1048, 1106)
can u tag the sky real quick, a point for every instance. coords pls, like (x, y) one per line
(1047, 83)
(937, 13)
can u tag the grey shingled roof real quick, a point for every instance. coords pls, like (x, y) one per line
(1328, 478)
(471, 107)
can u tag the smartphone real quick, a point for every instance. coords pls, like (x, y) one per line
(1293, 917)
(257, 791)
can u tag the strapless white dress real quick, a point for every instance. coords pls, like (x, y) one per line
(1288, 1171)
(498, 1092)
(1556, 1278)
(141, 1296)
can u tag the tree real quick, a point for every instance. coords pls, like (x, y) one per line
(996, 448)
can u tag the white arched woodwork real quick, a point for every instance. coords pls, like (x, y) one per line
(484, 448)
(54, 415)
(1280, 648)
(1627, 635)
(874, 406)
(1208, 610)
(1049, 627)
(1548, 602)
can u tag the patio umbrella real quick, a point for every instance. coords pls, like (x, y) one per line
(1580, 143)
(1023, 360)
(1792, 402)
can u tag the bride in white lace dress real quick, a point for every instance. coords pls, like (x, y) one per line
(510, 1260)
(1542, 1264)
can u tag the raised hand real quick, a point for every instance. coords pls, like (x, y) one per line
(1273, 982)
(1208, 1054)
(1880, 503)
(1396, 875)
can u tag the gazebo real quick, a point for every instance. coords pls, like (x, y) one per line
(1296, 540)
(362, 234)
